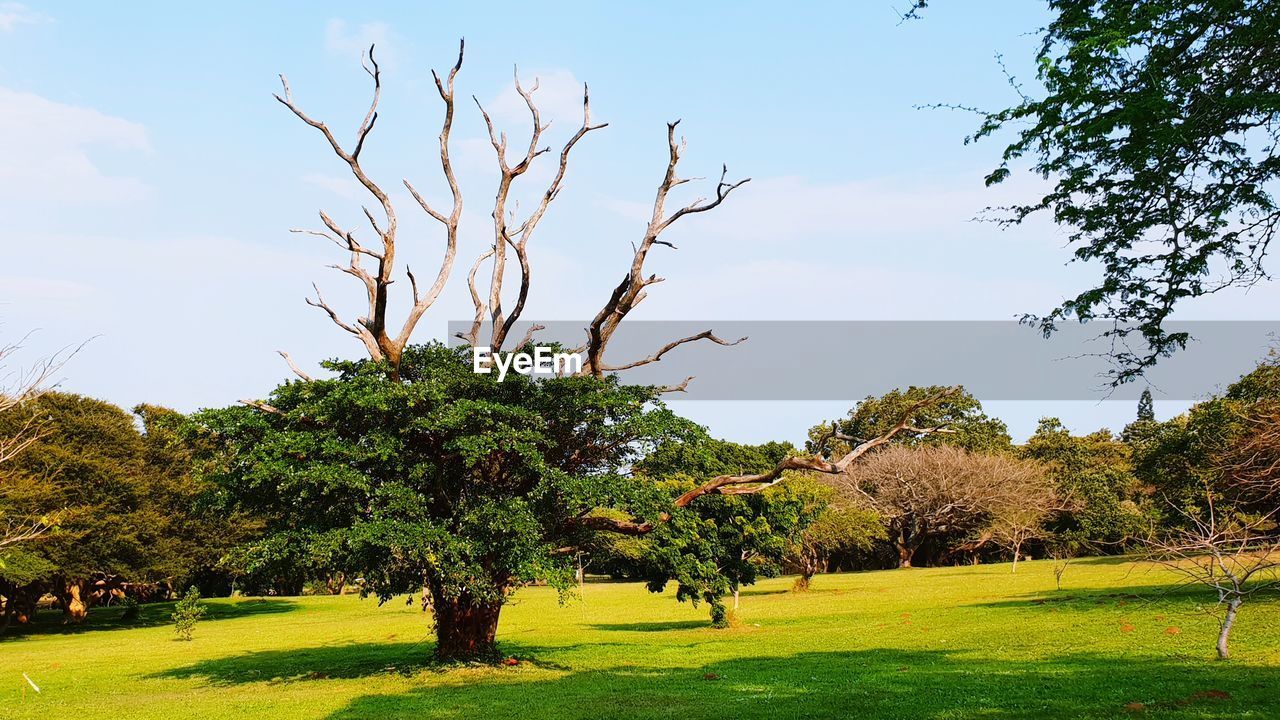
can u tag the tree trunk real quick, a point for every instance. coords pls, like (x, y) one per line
(1017, 550)
(905, 553)
(70, 595)
(465, 629)
(1233, 606)
(804, 582)
(735, 597)
(907, 544)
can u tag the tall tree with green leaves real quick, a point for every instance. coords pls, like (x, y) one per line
(959, 416)
(127, 504)
(1110, 506)
(411, 469)
(1146, 407)
(1157, 122)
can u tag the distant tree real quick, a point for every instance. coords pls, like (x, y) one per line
(19, 386)
(697, 454)
(745, 537)
(1028, 499)
(840, 528)
(1179, 458)
(1157, 126)
(1146, 408)
(1110, 506)
(1252, 461)
(729, 542)
(934, 492)
(126, 502)
(960, 416)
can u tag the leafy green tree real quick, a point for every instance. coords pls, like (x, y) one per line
(1146, 407)
(187, 612)
(839, 528)
(88, 465)
(747, 536)
(441, 477)
(959, 413)
(726, 542)
(1109, 506)
(126, 501)
(1157, 125)
(700, 456)
(1182, 459)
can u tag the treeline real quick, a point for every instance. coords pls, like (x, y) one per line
(127, 516)
(135, 512)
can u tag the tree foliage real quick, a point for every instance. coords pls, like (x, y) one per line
(128, 507)
(960, 414)
(442, 477)
(1211, 450)
(1109, 507)
(1157, 126)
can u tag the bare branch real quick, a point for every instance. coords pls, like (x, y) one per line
(657, 356)
(292, 366)
(746, 484)
(264, 407)
(630, 291)
(372, 329)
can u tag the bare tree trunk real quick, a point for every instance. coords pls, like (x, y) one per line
(735, 596)
(905, 553)
(1233, 606)
(1017, 551)
(70, 595)
(465, 629)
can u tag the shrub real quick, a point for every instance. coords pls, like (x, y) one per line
(187, 612)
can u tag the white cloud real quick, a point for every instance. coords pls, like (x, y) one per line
(15, 288)
(45, 145)
(342, 39)
(558, 97)
(13, 14)
(769, 209)
(344, 187)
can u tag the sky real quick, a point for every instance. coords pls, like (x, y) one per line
(148, 180)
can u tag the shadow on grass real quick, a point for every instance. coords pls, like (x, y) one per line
(1085, 599)
(863, 684)
(878, 683)
(746, 593)
(49, 622)
(654, 626)
(346, 661)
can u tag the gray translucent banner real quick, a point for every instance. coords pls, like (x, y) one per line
(849, 360)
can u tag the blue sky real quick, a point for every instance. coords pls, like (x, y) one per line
(148, 179)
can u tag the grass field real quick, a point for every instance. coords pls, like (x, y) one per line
(926, 643)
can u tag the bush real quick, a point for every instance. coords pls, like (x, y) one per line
(130, 613)
(187, 612)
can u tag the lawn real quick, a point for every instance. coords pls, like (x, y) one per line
(974, 642)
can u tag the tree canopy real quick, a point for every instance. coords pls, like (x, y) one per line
(1155, 121)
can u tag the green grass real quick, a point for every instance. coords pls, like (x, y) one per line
(927, 643)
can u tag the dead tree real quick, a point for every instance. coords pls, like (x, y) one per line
(1028, 499)
(940, 491)
(1233, 555)
(371, 256)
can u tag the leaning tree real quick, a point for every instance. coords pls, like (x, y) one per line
(410, 470)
